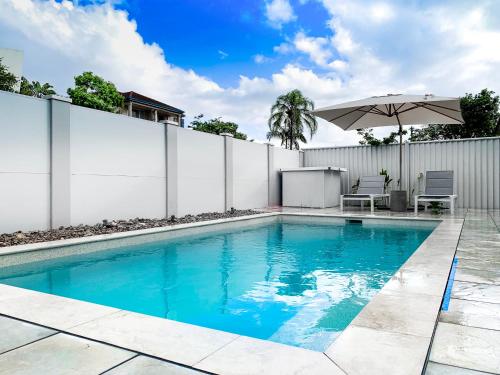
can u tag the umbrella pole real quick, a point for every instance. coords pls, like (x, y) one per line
(400, 151)
(400, 157)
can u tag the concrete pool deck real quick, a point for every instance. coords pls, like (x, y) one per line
(392, 334)
(30, 349)
(467, 338)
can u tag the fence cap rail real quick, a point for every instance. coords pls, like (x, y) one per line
(308, 169)
(410, 143)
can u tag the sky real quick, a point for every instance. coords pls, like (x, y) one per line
(231, 59)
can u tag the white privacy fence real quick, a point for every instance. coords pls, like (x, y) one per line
(62, 164)
(475, 162)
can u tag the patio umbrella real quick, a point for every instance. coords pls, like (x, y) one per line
(393, 110)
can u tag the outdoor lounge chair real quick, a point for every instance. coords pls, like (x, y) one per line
(438, 188)
(370, 188)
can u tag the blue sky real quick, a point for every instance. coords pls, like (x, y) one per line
(233, 58)
(220, 39)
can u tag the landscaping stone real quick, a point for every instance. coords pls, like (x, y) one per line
(114, 226)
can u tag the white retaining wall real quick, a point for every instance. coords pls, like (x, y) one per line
(62, 164)
(24, 163)
(118, 167)
(250, 175)
(281, 159)
(475, 162)
(200, 174)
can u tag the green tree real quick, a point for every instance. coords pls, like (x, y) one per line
(35, 88)
(7, 79)
(217, 126)
(481, 115)
(290, 115)
(93, 91)
(369, 139)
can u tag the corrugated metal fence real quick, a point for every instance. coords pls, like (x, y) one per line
(475, 162)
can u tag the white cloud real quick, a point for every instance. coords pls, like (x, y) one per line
(261, 59)
(338, 65)
(381, 12)
(283, 48)
(317, 48)
(222, 54)
(279, 12)
(446, 50)
(61, 40)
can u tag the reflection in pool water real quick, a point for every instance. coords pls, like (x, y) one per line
(297, 284)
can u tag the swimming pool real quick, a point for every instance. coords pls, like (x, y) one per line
(294, 281)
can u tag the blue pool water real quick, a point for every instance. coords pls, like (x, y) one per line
(294, 283)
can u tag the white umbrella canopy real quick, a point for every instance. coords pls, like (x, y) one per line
(393, 110)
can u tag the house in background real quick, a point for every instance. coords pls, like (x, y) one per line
(140, 106)
(13, 59)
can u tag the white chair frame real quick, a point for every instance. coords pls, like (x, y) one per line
(362, 198)
(425, 198)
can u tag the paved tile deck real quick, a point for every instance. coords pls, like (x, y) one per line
(14, 334)
(142, 365)
(163, 338)
(28, 349)
(467, 338)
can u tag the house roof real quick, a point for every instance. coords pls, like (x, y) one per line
(132, 96)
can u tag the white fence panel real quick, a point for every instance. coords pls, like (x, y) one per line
(62, 164)
(281, 159)
(200, 172)
(250, 174)
(24, 163)
(118, 168)
(475, 162)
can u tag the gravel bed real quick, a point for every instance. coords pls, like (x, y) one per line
(21, 238)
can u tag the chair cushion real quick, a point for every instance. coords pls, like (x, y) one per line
(439, 183)
(371, 185)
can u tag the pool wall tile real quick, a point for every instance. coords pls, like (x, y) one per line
(21, 254)
(366, 220)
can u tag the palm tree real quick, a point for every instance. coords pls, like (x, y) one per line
(290, 115)
(35, 88)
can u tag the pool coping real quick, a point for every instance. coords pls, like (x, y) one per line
(397, 323)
